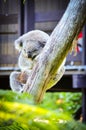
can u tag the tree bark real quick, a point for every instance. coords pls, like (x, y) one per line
(57, 48)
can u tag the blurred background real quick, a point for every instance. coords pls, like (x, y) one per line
(18, 17)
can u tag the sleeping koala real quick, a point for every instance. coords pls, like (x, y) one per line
(29, 46)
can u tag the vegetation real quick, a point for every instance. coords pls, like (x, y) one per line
(62, 102)
(18, 111)
(58, 102)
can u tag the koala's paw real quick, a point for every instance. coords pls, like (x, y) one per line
(14, 83)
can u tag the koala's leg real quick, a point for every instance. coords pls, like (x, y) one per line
(15, 84)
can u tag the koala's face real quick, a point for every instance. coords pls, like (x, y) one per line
(31, 43)
(32, 48)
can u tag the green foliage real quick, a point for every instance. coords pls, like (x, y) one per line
(17, 111)
(16, 97)
(62, 102)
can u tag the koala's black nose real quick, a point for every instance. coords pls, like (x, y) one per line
(29, 54)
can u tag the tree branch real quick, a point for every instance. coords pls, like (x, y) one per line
(56, 49)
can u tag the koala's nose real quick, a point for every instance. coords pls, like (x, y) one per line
(29, 54)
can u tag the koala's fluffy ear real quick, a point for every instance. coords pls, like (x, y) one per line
(18, 44)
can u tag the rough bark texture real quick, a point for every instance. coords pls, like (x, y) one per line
(57, 48)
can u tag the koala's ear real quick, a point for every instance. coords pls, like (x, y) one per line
(18, 45)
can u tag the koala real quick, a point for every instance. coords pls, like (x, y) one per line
(29, 46)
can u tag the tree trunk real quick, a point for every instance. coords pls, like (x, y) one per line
(57, 48)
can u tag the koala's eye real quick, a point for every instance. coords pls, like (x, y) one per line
(41, 43)
(35, 50)
(21, 44)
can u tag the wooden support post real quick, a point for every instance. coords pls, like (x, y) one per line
(29, 15)
(84, 89)
(20, 17)
(84, 46)
(84, 105)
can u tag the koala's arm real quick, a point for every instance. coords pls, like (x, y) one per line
(24, 63)
(17, 80)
